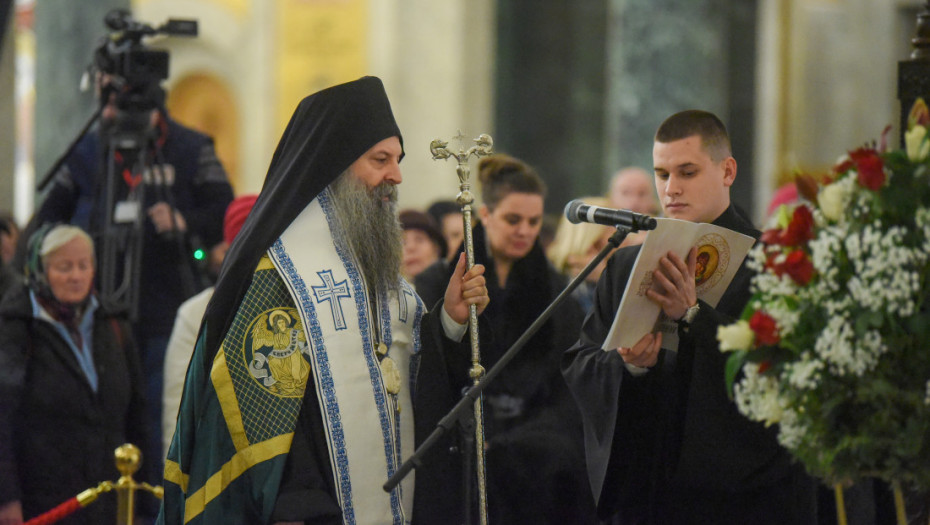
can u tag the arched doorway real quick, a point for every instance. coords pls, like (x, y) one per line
(205, 103)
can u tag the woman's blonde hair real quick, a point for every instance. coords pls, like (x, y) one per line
(575, 239)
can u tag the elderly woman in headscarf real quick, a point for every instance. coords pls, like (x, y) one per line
(69, 383)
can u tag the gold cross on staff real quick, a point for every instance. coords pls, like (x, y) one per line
(483, 147)
(460, 139)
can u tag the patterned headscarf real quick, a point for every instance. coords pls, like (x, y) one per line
(69, 314)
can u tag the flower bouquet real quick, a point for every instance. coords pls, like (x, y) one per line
(834, 346)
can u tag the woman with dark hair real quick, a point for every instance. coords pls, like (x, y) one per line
(69, 384)
(9, 236)
(423, 243)
(448, 215)
(535, 460)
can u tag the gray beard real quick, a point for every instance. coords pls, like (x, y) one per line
(371, 229)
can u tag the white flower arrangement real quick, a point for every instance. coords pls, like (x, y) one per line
(834, 346)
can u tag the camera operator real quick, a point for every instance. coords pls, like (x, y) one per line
(173, 189)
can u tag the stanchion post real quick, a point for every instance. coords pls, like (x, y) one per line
(128, 459)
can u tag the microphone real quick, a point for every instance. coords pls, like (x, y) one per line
(577, 211)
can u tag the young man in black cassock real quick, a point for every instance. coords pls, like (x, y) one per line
(664, 443)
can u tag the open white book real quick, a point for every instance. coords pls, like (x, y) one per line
(720, 253)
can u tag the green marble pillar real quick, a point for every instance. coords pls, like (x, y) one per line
(7, 112)
(67, 32)
(549, 92)
(665, 56)
(914, 73)
(580, 87)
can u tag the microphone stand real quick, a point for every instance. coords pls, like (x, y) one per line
(473, 393)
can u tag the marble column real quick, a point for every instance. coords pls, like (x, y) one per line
(7, 113)
(550, 89)
(436, 60)
(665, 56)
(67, 32)
(582, 87)
(914, 73)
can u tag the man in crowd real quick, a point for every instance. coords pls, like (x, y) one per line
(299, 400)
(664, 443)
(632, 189)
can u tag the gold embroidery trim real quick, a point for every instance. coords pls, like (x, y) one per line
(242, 461)
(223, 385)
(264, 263)
(174, 475)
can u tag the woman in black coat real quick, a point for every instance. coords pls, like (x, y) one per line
(69, 384)
(535, 457)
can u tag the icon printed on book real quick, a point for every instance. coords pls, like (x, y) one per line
(713, 258)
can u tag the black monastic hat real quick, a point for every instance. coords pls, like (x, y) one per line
(329, 130)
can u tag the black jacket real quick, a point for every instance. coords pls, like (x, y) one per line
(532, 380)
(57, 436)
(532, 427)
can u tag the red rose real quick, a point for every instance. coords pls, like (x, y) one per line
(801, 227)
(843, 167)
(763, 325)
(861, 153)
(765, 365)
(799, 266)
(870, 167)
(871, 173)
(777, 268)
(772, 236)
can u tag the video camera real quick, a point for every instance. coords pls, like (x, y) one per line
(135, 71)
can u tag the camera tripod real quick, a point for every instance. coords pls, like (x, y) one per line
(130, 166)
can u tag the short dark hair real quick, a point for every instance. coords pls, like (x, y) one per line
(714, 138)
(7, 223)
(439, 209)
(500, 175)
(411, 219)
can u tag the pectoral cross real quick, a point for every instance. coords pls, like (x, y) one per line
(332, 291)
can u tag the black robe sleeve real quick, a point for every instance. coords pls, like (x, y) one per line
(307, 492)
(595, 378)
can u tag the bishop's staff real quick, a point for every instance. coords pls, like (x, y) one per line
(465, 199)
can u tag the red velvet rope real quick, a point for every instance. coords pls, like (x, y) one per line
(65, 509)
